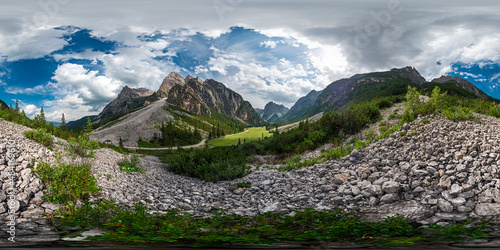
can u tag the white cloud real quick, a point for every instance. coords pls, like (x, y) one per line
(86, 86)
(30, 110)
(283, 82)
(39, 89)
(268, 44)
(30, 43)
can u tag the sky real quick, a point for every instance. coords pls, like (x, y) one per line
(74, 57)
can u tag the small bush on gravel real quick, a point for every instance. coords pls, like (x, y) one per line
(66, 182)
(83, 146)
(131, 165)
(39, 135)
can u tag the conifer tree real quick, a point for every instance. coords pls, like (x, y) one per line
(63, 123)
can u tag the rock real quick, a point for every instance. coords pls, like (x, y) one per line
(390, 187)
(411, 210)
(458, 201)
(266, 182)
(451, 216)
(456, 189)
(340, 178)
(388, 198)
(13, 205)
(458, 156)
(374, 189)
(444, 182)
(445, 206)
(488, 209)
(239, 191)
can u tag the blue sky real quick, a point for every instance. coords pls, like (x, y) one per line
(74, 57)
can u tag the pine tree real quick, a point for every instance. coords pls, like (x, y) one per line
(17, 106)
(120, 143)
(88, 128)
(63, 123)
(42, 117)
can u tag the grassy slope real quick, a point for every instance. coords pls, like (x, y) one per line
(251, 134)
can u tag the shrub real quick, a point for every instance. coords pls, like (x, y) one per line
(246, 184)
(131, 165)
(84, 146)
(217, 164)
(66, 182)
(458, 114)
(39, 135)
(338, 152)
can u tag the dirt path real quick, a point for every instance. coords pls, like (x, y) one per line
(296, 124)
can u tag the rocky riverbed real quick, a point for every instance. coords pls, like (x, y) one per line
(432, 170)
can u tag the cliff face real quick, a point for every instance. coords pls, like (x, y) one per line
(273, 111)
(199, 97)
(125, 102)
(169, 82)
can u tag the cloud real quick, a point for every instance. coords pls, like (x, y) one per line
(268, 44)
(84, 86)
(37, 90)
(30, 43)
(295, 47)
(30, 110)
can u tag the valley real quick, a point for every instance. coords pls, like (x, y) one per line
(412, 153)
(248, 135)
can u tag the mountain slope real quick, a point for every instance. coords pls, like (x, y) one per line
(202, 97)
(80, 123)
(458, 86)
(301, 107)
(273, 111)
(127, 100)
(3, 105)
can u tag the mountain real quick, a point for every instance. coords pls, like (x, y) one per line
(128, 99)
(273, 111)
(205, 97)
(358, 88)
(190, 102)
(458, 86)
(3, 105)
(302, 106)
(259, 111)
(80, 123)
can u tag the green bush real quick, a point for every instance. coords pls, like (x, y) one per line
(336, 153)
(39, 135)
(83, 146)
(217, 164)
(458, 114)
(245, 184)
(66, 182)
(131, 165)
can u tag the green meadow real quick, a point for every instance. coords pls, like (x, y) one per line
(250, 134)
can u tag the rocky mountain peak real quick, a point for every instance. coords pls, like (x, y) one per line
(412, 73)
(188, 77)
(170, 81)
(273, 111)
(119, 105)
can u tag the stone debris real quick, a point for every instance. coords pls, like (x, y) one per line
(447, 172)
